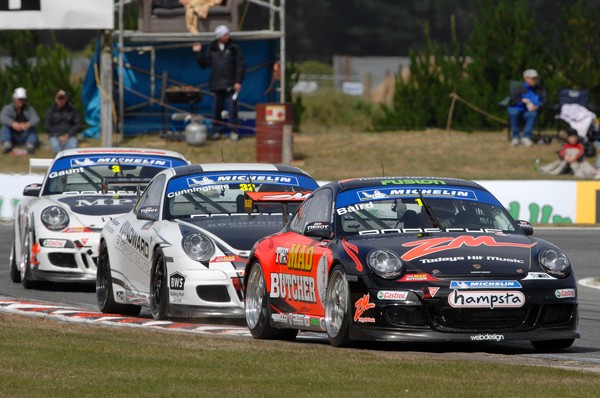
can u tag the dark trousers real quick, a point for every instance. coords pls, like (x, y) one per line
(224, 100)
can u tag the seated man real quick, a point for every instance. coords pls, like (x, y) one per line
(18, 123)
(195, 9)
(524, 104)
(63, 123)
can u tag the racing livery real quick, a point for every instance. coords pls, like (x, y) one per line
(57, 223)
(183, 248)
(410, 259)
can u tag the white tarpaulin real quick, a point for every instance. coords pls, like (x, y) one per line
(56, 14)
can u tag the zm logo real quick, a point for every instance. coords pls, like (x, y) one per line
(20, 5)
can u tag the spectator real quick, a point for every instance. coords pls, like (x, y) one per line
(524, 105)
(62, 123)
(571, 159)
(18, 123)
(228, 68)
(195, 9)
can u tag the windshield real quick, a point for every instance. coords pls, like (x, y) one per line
(388, 210)
(85, 173)
(202, 195)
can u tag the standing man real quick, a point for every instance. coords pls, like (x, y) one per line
(225, 58)
(523, 105)
(18, 123)
(62, 123)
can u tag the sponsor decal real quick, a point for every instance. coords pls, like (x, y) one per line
(538, 276)
(77, 230)
(427, 231)
(196, 189)
(363, 304)
(417, 278)
(487, 337)
(316, 226)
(297, 319)
(412, 181)
(108, 160)
(383, 193)
(565, 293)
(281, 255)
(485, 285)
(130, 235)
(61, 173)
(103, 202)
(352, 251)
(426, 247)
(57, 243)
(280, 318)
(315, 322)
(392, 295)
(433, 291)
(195, 181)
(149, 210)
(486, 299)
(441, 259)
(322, 278)
(176, 281)
(300, 257)
(225, 259)
(257, 178)
(365, 319)
(293, 287)
(354, 208)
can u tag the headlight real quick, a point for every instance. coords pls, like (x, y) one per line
(554, 261)
(198, 247)
(55, 218)
(385, 263)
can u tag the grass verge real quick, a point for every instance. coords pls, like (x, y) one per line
(47, 358)
(337, 153)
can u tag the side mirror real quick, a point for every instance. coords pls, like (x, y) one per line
(525, 226)
(32, 189)
(318, 230)
(148, 213)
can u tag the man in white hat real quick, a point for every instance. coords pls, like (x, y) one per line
(225, 58)
(18, 123)
(523, 106)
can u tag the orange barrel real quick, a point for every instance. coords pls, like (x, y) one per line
(270, 119)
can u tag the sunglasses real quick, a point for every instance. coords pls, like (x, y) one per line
(61, 97)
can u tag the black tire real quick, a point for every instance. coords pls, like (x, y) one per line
(258, 309)
(552, 345)
(104, 292)
(15, 273)
(25, 273)
(159, 287)
(337, 308)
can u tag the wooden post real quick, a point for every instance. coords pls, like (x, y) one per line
(106, 91)
(287, 144)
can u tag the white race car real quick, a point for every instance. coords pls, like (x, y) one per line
(183, 248)
(57, 224)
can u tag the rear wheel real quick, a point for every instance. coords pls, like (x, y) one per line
(15, 274)
(337, 308)
(25, 272)
(104, 292)
(258, 309)
(553, 345)
(159, 289)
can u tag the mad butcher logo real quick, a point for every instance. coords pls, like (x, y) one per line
(434, 245)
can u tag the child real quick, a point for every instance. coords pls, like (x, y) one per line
(571, 159)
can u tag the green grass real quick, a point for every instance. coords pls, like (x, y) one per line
(42, 357)
(337, 153)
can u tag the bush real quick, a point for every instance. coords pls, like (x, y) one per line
(336, 109)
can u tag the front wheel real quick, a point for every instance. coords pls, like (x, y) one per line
(25, 272)
(159, 289)
(15, 273)
(337, 308)
(104, 292)
(258, 309)
(553, 345)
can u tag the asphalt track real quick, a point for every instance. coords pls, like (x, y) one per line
(67, 302)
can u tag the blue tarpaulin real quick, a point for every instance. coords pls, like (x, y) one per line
(144, 113)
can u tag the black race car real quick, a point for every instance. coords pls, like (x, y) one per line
(410, 259)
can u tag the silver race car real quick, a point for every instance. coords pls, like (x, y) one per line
(57, 224)
(182, 249)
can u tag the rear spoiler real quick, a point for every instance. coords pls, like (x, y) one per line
(136, 182)
(251, 198)
(39, 163)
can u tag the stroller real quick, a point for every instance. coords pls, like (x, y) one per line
(575, 111)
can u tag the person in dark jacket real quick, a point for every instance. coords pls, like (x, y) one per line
(524, 104)
(63, 123)
(225, 58)
(18, 123)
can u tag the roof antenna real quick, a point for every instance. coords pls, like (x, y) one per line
(382, 170)
(222, 156)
